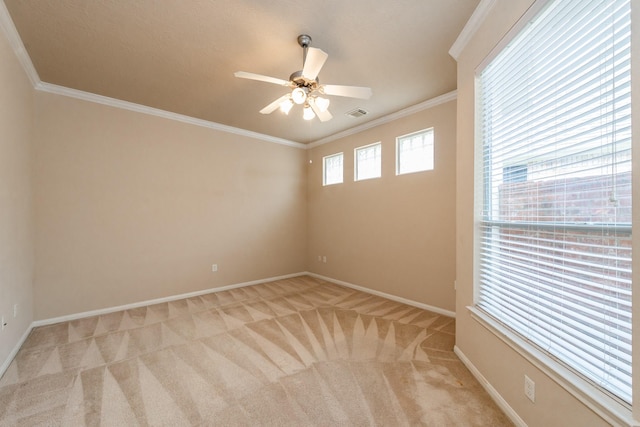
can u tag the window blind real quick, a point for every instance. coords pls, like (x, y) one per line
(555, 231)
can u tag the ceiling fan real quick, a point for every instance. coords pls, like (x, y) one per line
(305, 86)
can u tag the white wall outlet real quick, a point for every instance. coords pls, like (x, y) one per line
(529, 388)
(214, 267)
(319, 257)
(324, 258)
(15, 310)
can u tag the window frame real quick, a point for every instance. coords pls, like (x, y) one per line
(356, 164)
(399, 139)
(324, 169)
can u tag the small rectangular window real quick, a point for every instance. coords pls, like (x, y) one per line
(368, 162)
(332, 169)
(414, 152)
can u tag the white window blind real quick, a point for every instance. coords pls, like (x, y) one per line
(555, 232)
(414, 152)
(332, 169)
(368, 162)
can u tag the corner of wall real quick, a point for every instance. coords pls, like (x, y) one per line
(17, 250)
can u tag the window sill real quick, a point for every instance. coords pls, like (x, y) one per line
(609, 408)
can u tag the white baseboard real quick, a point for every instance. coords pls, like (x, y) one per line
(387, 296)
(107, 310)
(51, 321)
(508, 410)
(9, 359)
(66, 318)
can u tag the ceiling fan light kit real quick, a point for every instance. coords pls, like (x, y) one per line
(299, 95)
(305, 86)
(322, 103)
(307, 113)
(286, 105)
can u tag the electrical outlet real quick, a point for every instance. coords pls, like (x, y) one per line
(15, 310)
(324, 258)
(214, 267)
(319, 257)
(529, 388)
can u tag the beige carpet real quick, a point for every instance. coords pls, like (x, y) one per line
(299, 352)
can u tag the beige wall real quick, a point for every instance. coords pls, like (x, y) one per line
(132, 207)
(393, 234)
(16, 218)
(498, 363)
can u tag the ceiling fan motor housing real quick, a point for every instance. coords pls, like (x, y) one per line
(299, 80)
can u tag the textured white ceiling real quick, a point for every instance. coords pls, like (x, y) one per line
(180, 56)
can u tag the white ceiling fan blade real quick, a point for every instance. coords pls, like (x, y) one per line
(350, 91)
(261, 78)
(274, 105)
(322, 115)
(313, 63)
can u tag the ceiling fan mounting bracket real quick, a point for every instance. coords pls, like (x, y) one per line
(304, 40)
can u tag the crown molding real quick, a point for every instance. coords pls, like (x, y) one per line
(10, 31)
(126, 105)
(131, 106)
(433, 102)
(470, 28)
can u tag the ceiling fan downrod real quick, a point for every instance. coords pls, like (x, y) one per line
(304, 41)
